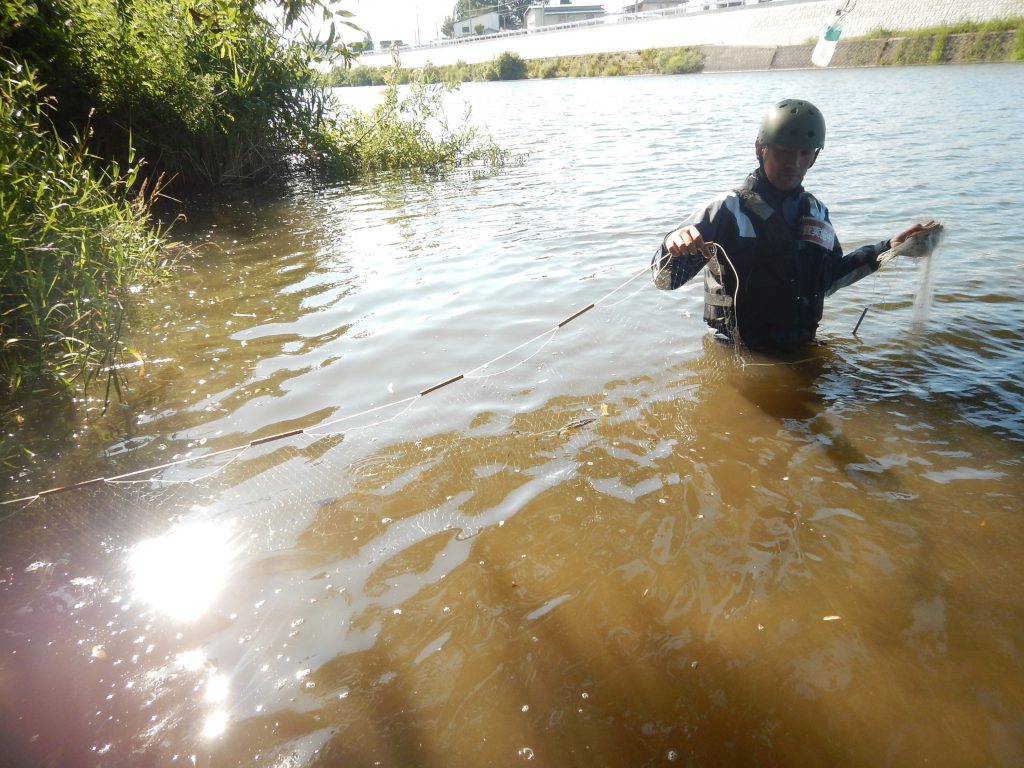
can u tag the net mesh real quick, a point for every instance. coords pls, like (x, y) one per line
(527, 414)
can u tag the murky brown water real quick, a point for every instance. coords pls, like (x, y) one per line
(622, 544)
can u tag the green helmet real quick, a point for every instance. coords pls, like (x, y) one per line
(793, 123)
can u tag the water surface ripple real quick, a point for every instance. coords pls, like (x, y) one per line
(623, 543)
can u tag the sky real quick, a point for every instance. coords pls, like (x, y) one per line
(396, 19)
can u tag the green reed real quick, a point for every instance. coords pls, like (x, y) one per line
(409, 131)
(74, 243)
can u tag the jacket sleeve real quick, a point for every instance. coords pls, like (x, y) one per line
(853, 266)
(672, 272)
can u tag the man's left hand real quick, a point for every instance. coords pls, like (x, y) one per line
(897, 239)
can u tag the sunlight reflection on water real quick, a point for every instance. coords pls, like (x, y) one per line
(181, 572)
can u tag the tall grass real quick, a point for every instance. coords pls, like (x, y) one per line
(931, 44)
(74, 243)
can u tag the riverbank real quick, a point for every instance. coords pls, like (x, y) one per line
(996, 41)
(932, 46)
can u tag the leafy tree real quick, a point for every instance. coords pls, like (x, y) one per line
(448, 27)
(511, 12)
(514, 15)
(208, 91)
(465, 8)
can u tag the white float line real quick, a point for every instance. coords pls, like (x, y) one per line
(319, 431)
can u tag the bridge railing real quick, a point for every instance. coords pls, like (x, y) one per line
(690, 7)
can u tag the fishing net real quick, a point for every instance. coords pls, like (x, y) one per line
(509, 421)
(338, 525)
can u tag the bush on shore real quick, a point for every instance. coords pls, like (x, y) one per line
(511, 66)
(408, 131)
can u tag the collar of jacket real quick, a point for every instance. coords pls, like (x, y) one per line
(758, 182)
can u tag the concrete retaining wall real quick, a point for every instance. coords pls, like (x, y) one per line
(726, 58)
(857, 53)
(768, 25)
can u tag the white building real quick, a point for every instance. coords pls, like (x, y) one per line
(490, 23)
(641, 6)
(561, 13)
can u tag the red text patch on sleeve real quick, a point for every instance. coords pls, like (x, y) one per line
(816, 231)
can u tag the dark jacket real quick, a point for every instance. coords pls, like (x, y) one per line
(781, 260)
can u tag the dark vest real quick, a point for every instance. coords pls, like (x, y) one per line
(781, 281)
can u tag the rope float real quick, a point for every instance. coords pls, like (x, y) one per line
(240, 449)
(919, 245)
(930, 240)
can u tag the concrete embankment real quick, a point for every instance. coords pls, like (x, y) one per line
(875, 52)
(742, 37)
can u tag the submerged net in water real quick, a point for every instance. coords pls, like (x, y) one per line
(264, 562)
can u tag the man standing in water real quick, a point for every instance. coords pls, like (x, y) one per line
(771, 253)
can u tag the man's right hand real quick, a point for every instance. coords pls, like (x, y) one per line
(686, 240)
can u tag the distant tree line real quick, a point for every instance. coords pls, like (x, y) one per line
(511, 66)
